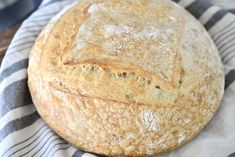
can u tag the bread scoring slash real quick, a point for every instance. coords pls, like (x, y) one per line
(125, 77)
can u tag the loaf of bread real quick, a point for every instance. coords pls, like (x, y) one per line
(125, 77)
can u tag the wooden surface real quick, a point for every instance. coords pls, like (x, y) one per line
(5, 39)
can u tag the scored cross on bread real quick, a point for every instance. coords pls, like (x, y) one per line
(128, 58)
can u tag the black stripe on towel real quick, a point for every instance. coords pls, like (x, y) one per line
(198, 7)
(232, 155)
(13, 68)
(18, 124)
(78, 153)
(214, 19)
(14, 95)
(176, 1)
(231, 10)
(229, 78)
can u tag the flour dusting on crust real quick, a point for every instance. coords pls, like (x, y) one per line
(149, 120)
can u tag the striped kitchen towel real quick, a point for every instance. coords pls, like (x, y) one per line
(24, 133)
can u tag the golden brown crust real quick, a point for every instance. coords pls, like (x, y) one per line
(130, 78)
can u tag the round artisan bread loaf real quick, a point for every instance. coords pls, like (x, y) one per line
(125, 77)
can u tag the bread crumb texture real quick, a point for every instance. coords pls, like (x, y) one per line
(125, 77)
